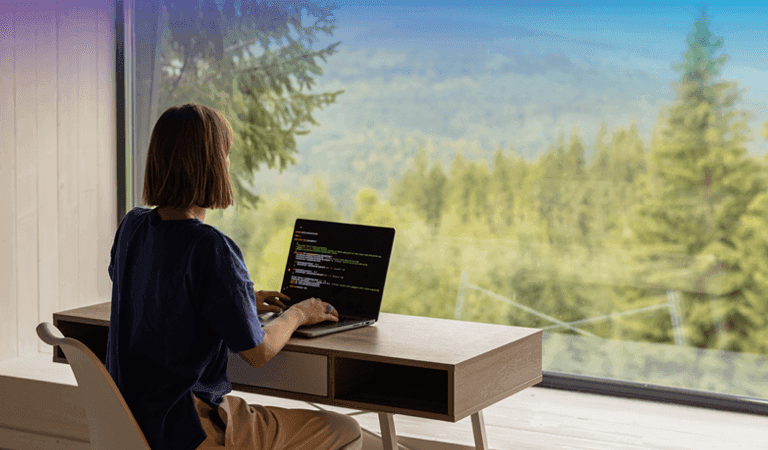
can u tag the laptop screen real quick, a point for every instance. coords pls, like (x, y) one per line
(342, 264)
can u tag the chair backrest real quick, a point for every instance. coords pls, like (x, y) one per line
(111, 424)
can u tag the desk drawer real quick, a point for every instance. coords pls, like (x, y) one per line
(287, 371)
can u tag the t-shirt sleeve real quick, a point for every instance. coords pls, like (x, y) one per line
(111, 268)
(224, 292)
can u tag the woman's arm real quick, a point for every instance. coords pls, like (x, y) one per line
(279, 331)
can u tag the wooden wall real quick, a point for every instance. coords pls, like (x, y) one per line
(57, 163)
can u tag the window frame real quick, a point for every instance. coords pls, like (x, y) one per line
(657, 393)
(125, 104)
(123, 37)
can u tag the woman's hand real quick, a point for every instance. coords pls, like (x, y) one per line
(315, 311)
(269, 301)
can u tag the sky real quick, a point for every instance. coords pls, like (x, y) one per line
(616, 30)
(609, 36)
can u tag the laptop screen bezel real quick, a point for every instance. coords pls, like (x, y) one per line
(361, 238)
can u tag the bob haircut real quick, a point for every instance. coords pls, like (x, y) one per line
(187, 159)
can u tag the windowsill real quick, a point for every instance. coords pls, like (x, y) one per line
(536, 418)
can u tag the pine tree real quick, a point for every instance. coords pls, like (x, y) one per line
(435, 195)
(507, 180)
(619, 161)
(751, 240)
(468, 188)
(422, 190)
(253, 60)
(546, 184)
(700, 184)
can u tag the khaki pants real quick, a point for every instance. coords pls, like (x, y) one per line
(256, 427)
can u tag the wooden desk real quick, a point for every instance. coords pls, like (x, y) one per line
(433, 368)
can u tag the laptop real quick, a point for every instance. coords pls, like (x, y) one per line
(342, 264)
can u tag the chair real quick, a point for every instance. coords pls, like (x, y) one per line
(110, 423)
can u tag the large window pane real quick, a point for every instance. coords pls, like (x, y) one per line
(595, 170)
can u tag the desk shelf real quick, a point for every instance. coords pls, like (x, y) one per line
(392, 385)
(94, 336)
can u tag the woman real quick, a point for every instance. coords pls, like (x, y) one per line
(182, 299)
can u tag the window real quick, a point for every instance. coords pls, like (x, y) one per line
(595, 170)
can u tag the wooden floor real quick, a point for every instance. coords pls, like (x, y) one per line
(535, 418)
(548, 419)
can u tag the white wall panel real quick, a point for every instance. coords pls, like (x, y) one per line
(26, 180)
(69, 156)
(57, 163)
(8, 300)
(106, 138)
(87, 126)
(47, 168)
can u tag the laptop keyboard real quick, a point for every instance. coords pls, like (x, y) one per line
(328, 325)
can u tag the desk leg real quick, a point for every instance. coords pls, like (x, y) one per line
(388, 436)
(478, 427)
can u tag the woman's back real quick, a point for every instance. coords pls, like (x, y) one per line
(181, 295)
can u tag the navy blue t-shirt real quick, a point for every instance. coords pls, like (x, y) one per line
(182, 299)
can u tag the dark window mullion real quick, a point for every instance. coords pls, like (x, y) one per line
(120, 103)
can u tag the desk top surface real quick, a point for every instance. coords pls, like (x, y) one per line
(429, 341)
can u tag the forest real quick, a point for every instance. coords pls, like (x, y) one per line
(642, 259)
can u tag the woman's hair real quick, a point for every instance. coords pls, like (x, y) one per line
(187, 159)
